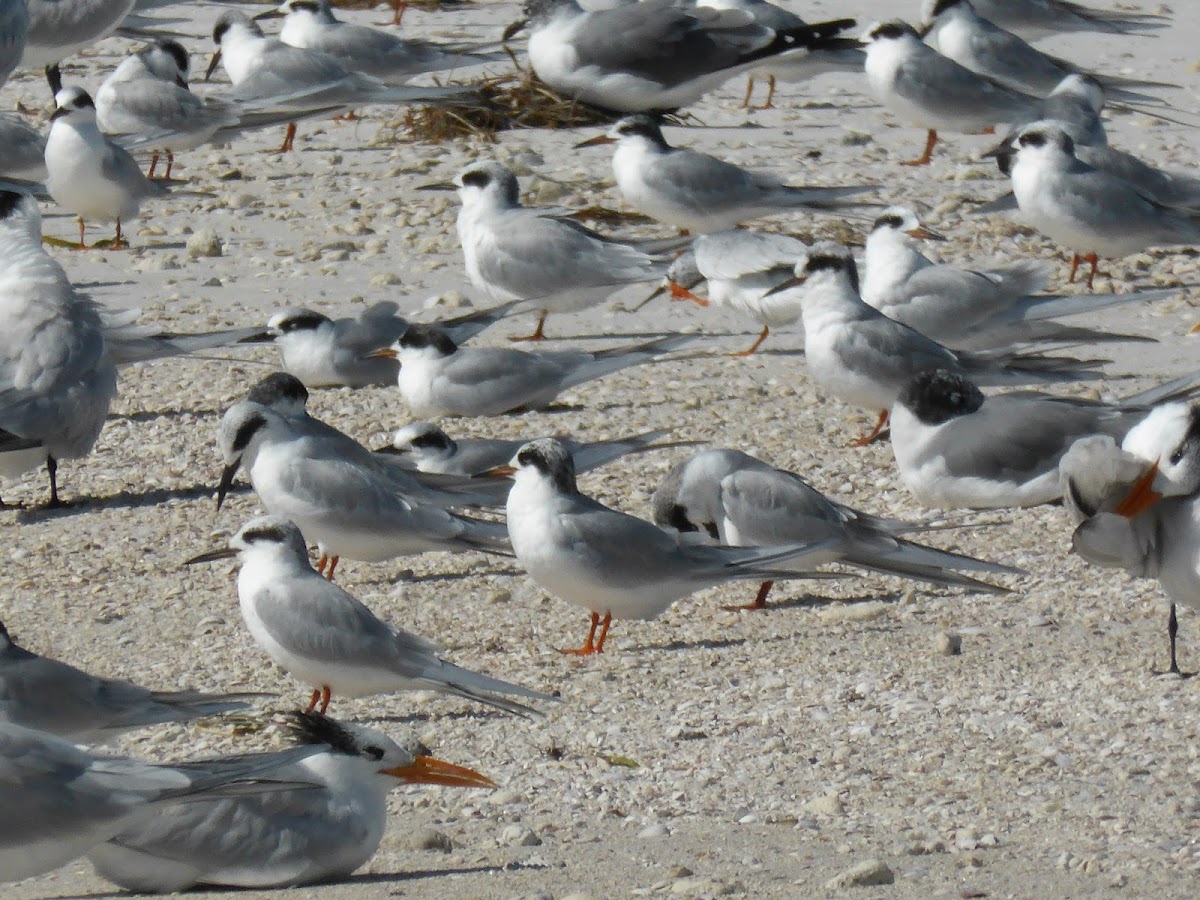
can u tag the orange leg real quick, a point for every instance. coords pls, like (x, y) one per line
(1094, 260)
(333, 561)
(770, 94)
(82, 244)
(398, 13)
(324, 699)
(925, 157)
(874, 435)
(753, 347)
(760, 600)
(153, 166)
(603, 632)
(1075, 260)
(322, 563)
(347, 117)
(677, 291)
(118, 241)
(170, 163)
(588, 647)
(289, 139)
(538, 334)
(312, 701)
(749, 93)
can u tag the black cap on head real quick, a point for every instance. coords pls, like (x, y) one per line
(937, 395)
(278, 386)
(417, 337)
(553, 460)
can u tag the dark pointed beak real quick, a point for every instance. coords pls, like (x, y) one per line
(924, 234)
(438, 186)
(263, 337)
(211, 556)
(227, 481)
(60, 111)
(794, 281)
(392, 450)
(499, 472)
(269, 14)
(514, 29)
(212, 65)
(598, 141)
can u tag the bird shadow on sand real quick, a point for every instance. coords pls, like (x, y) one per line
(80, 505)
(149, 415)
(816, 601)
(706, 644)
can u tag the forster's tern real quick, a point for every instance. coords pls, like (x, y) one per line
(613, 564)
(1040, 18)
(266, 71)
(1091, 212)
(742, 501)
(1148, 525)
(700, 193)
(742, 268)
(89, 175)
(348, 508)
(920, 86)
(438, 378)
(429, 449)
(51, 696)
(61, 28)
(971, 40)
(311, 25)
(326, 638)
(956, 448)
(658, 55)
(70, 800)
(516, 253)
(864, 358)
(972, 308)
(325, 352)
(317, 833)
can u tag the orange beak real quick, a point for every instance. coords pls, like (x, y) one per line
(1194, 328)
(427, 770)
(385, 353)
(598, 141)
(500, 472)
(1141, 496)
(924, 234)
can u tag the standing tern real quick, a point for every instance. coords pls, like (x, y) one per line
(264, 70)
(956, 448)
(864, 358)
(919, 85)
(616, 565)
(516, 253)
(47, 695)
(658, 55)
(431, 450)
(311, 25)
(87, 173)
(325, 352)
(348, 508)
(1148, 525)
(318, 833)
(1041, 18)
(1088, 210)
(973, 308)
(328, 639)
(700, 193)
(965, 36)
(70, 800)
(438, 378)
(742, 501)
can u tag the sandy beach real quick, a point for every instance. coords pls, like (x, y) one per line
(707, 752)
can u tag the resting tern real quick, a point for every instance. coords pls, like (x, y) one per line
(742, 501)
(1148, 525)
(658, 55)
(1040, 18)
(267, 71)
(1090, 211)
(616, 565)
(963, 35)
(972, 308)
(700, 193)
(864, 358)
(348, 508)
(88, 174)
(517, 253)
(71, 800)
(956, 448)
(315, 834)
(47, 695)
(311, 25)
(438, 378)
(429, 449)
(325, 352)
(920, 86)
(326, 638)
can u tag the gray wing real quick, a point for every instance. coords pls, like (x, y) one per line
(771, 507)
(957, 90)
(316, 619)
(729, 255)
(1014, 62)
(151, 104)
(119, 165)
(895, 351)
(496, 378)
(1118, 205)
(704, 182)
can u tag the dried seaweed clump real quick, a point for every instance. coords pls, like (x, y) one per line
(513, 100)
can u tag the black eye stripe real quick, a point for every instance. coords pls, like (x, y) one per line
(275, 535)
(889, 221)
(477, 178)
(249, 428)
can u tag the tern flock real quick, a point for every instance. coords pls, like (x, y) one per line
(911, 340)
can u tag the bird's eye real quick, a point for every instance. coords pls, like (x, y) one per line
(375, 753)
(1177, 457)
(525, 458)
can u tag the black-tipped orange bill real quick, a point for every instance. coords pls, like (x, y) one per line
(383, 353)
(227, 481)
(1141, 496)
(212, 66)
(598, 141)
(211, 556)
(499, 472)
(924, 234)
(794, 281)
(428, 770)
